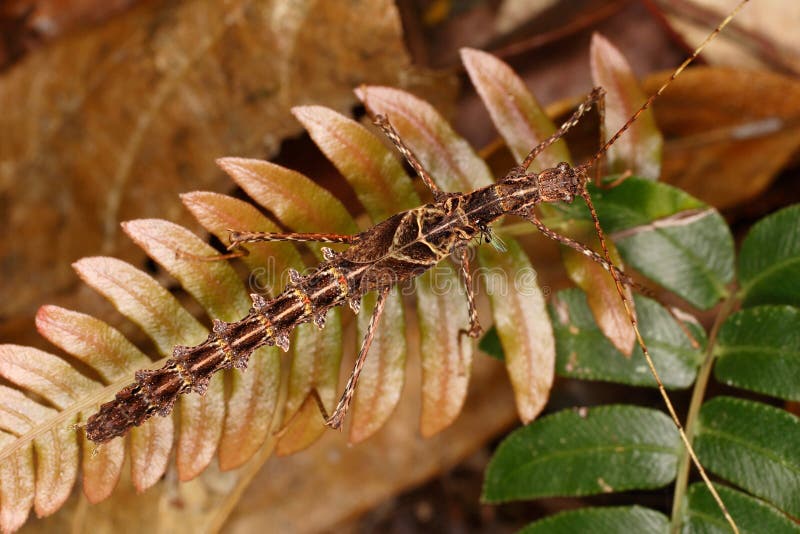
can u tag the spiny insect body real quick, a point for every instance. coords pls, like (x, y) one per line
(399, 248)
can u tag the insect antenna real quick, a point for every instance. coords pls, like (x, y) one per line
(618, 282)
(666, 84)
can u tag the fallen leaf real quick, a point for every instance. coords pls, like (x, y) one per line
(111, 123)
(728, 132)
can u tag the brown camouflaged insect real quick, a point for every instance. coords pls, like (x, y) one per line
(395, 250)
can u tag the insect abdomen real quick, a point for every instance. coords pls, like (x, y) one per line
(228, 345)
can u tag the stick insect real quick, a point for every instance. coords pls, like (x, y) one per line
(398, 249)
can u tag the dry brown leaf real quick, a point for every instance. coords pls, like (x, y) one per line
(112, 123)
(729, 132)
(763, 35)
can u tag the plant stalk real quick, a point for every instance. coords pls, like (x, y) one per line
(698, 394)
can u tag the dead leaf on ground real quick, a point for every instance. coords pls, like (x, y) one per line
(729, 131)
(111, 124)
(762, 35)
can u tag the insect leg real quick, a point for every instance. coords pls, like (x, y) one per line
(388, 130)
(624, 278)
(475, 329)
(583, 249)
(601, 113)
(313, 395)
(336, 418)
(237, 238)
(597, 94)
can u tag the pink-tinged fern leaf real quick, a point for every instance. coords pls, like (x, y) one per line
(456, 167)
(303, 206)
(383, 188)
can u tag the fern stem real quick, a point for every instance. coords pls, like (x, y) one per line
(698, 395)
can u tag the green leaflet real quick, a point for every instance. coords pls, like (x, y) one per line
(584, 452)
(751, 515)
(667, 235)
(759, 349)
(754, 446)
(609, 520)
(584, 352)
(769, 262)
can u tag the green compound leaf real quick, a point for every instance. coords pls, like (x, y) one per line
(754, 446)
(752, 516)
(584, 452)
(611, 520)
(759, 349)
(584, 352)
(769, 262)
(667, 235)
